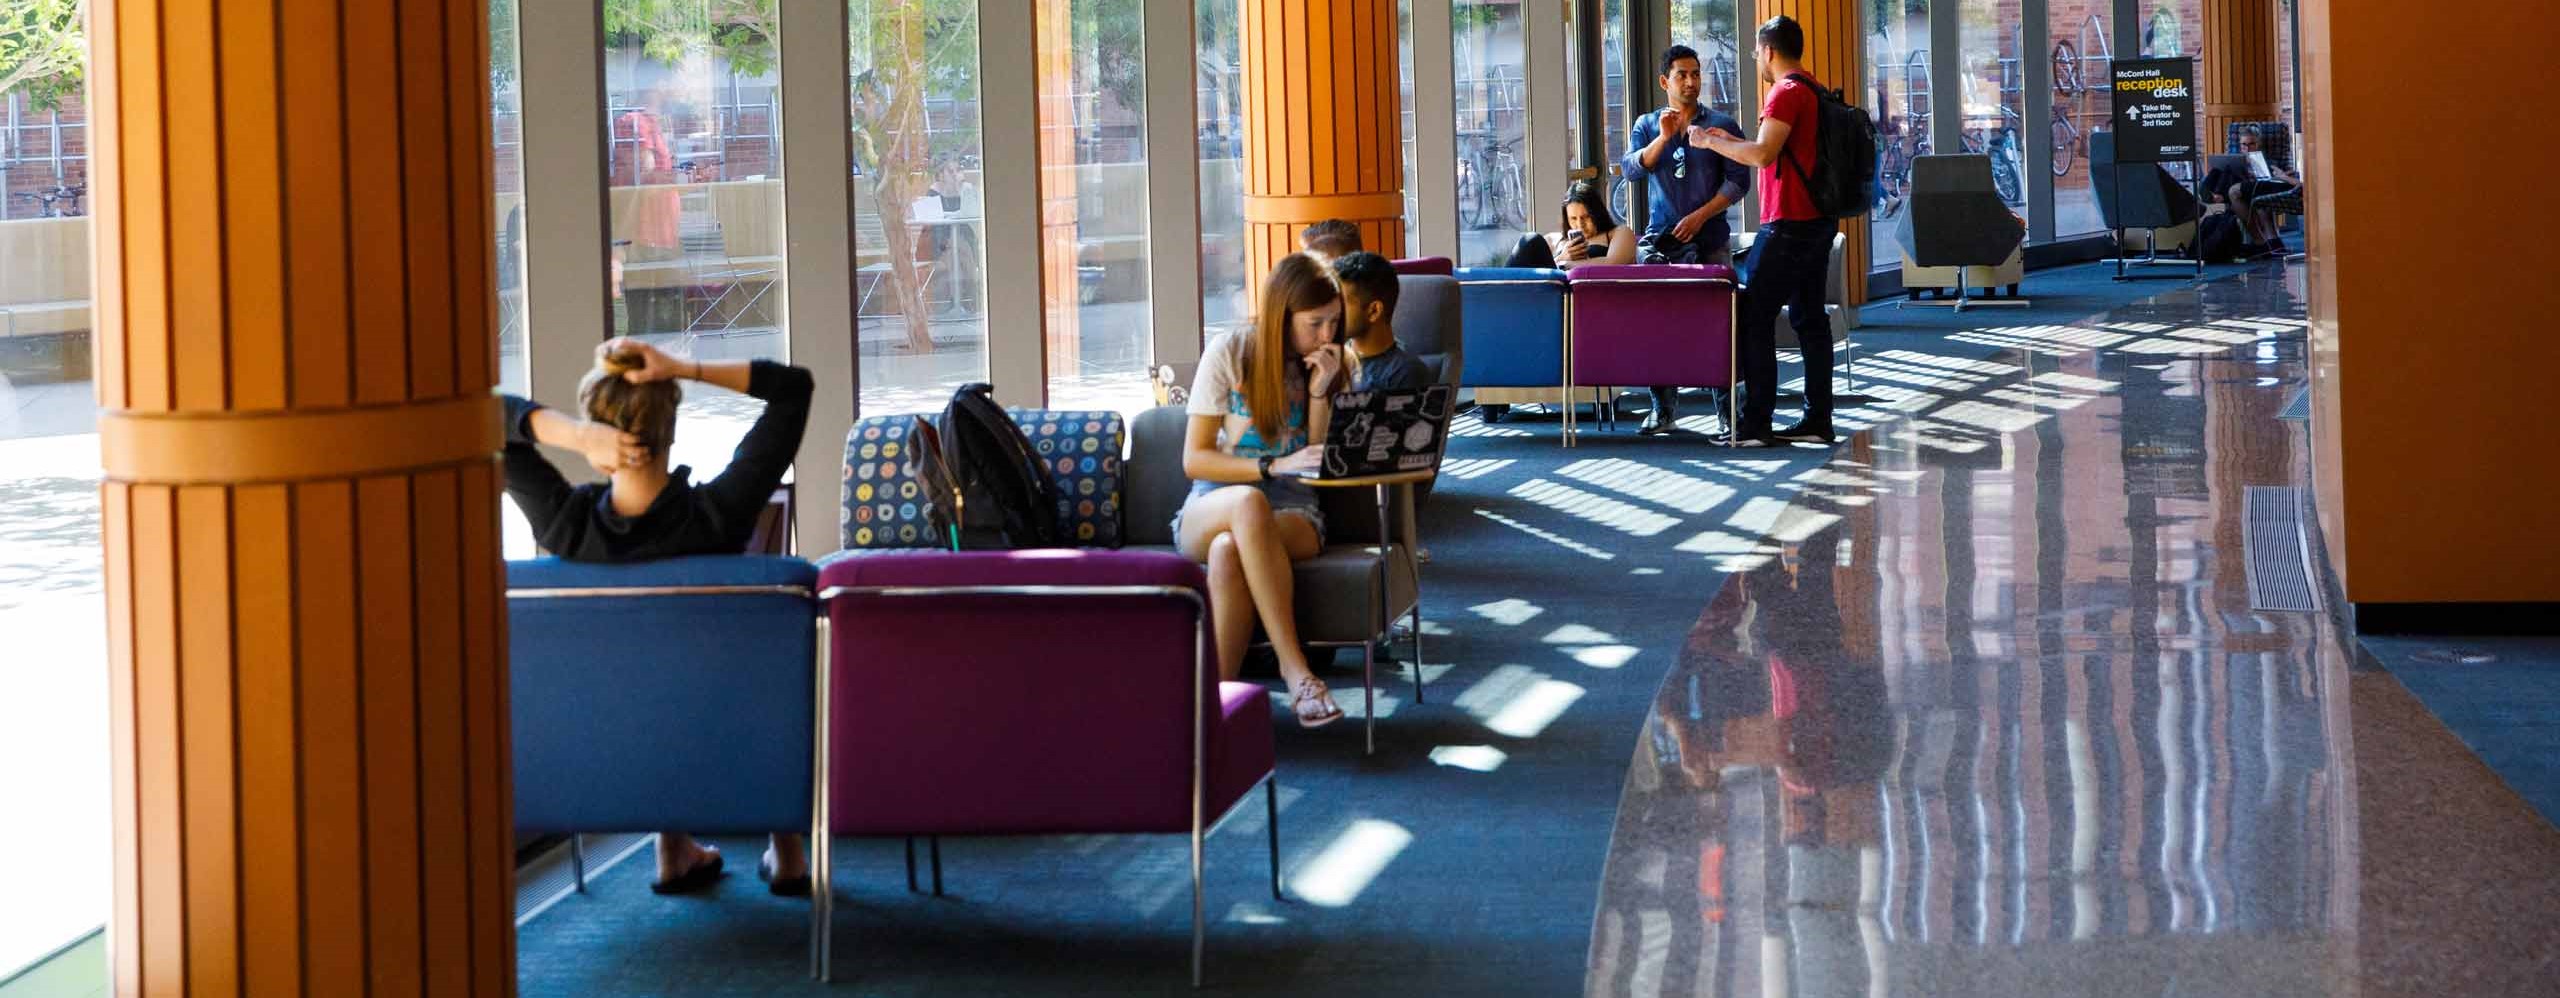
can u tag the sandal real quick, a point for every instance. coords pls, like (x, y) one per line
(1313, 703)
(789, 887)
(704, 874)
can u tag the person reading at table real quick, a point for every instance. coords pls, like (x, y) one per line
(1261, 395)
(1377, 359)
(626, 421)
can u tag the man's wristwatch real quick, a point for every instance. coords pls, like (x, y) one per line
(1265, 463)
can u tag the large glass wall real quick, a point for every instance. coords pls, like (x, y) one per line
(506, 149)
(1101, 340)
(919, 220)
(52, 606)
(2082, 48)
(1223, 283)
(1412, 179)
(1898, 90)
(1712, 29)
(1492, 129)
(1994, 93)
(694, 161)
(2173, 28)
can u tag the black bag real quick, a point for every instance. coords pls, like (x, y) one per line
(984, 485)
(2219, 239)
(1843, 178)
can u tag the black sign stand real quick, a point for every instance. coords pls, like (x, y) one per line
(2153, 115)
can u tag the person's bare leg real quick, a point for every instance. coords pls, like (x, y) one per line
(1230, 605)
(790, 856)
(678, 854)
(1265, 545)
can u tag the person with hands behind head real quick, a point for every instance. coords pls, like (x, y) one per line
(1259, 409)
(625, 423)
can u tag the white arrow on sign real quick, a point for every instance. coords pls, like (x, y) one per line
(2133, 114)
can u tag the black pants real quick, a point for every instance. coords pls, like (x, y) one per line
(1790, 262)
(1532, 251)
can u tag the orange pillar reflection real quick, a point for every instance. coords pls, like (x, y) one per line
(1058, 284)
(2242, 81)
(1323, 125)
(1835, 52)
(307, 658)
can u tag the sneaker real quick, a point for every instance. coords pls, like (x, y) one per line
(1806, 433)
(1759, 439)
(1658, 422)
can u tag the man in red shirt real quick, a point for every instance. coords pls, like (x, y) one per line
(1791, 256)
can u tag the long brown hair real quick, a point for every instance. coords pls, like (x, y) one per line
(1297, 283)
(647, 411)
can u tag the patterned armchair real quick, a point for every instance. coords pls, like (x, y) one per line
(2275, 138)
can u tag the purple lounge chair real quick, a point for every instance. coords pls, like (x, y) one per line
(1654, 324)
(1050, 692)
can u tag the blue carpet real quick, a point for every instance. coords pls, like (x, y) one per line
(1462, 859)
(2506, 711)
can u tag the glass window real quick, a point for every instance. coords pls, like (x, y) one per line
(694, 167)
(1493, 130)
(1412, 183)
(1093, 108)
(1994, 94)
(919, 220)
(1223, 282)
(506, 147)
(2082, 51)
(1898, 81)
(1711, 30)
(52, 605)
(2174, 28)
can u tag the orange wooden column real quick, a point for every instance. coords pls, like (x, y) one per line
(1323, 125)
(297, 341)
(1835, 51)
(2242, 80)
(1059, 288)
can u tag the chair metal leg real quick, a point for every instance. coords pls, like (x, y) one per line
(934, 844)
(911, 864)
(822, 846)
(1417, 639)
(1271, 821)
(578, 862)
(1199, 907)
(1369, 646)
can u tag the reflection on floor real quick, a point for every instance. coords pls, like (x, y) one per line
(1995, 714)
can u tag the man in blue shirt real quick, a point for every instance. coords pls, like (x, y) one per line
(1688, 189)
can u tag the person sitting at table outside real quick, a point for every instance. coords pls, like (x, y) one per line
(1262, 395)
(627, 421)
(1688, 188)
(1329, 240)
(1377, 360)
(1590, 235)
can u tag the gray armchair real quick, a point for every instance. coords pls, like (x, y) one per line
(2140, 196)
(1348, 595)
(1956, 232)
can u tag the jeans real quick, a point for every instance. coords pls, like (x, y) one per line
(1789, 266)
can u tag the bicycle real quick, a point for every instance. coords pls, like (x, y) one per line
(1492, 190)
(49, 197)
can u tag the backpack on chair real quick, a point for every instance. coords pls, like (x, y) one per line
(985, 486)
(1843, 178)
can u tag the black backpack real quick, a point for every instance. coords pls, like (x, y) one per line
(1843, 179)
(984, 485)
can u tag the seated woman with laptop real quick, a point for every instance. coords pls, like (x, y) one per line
(1261, 402)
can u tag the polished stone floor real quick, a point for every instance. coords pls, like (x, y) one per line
(2000, 719)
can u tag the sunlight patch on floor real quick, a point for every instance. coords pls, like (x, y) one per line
(1626, 518)
(1660, 486)
(1348, 864)
(1518, 701)
(1479, 758)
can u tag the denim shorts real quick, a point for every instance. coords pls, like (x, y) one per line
(1288, 496)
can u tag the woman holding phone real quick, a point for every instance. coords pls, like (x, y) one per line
(1590, 235)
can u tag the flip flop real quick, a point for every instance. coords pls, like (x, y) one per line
(1313, 694)
(789, 887)
(693, 881)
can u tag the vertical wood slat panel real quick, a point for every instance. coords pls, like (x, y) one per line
(115, 506)
(253, 206)
(191, 136)
(1295, 85)
(387, 650)
(375, 220)
(106, 231)
(426, 201)
(474, 190)
(443, 834)
(316, 254)
(160, 794)
(1324, 131)
(145, 210)
(270, 790)
(209, 800)
(491, 859)
(333, 829)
